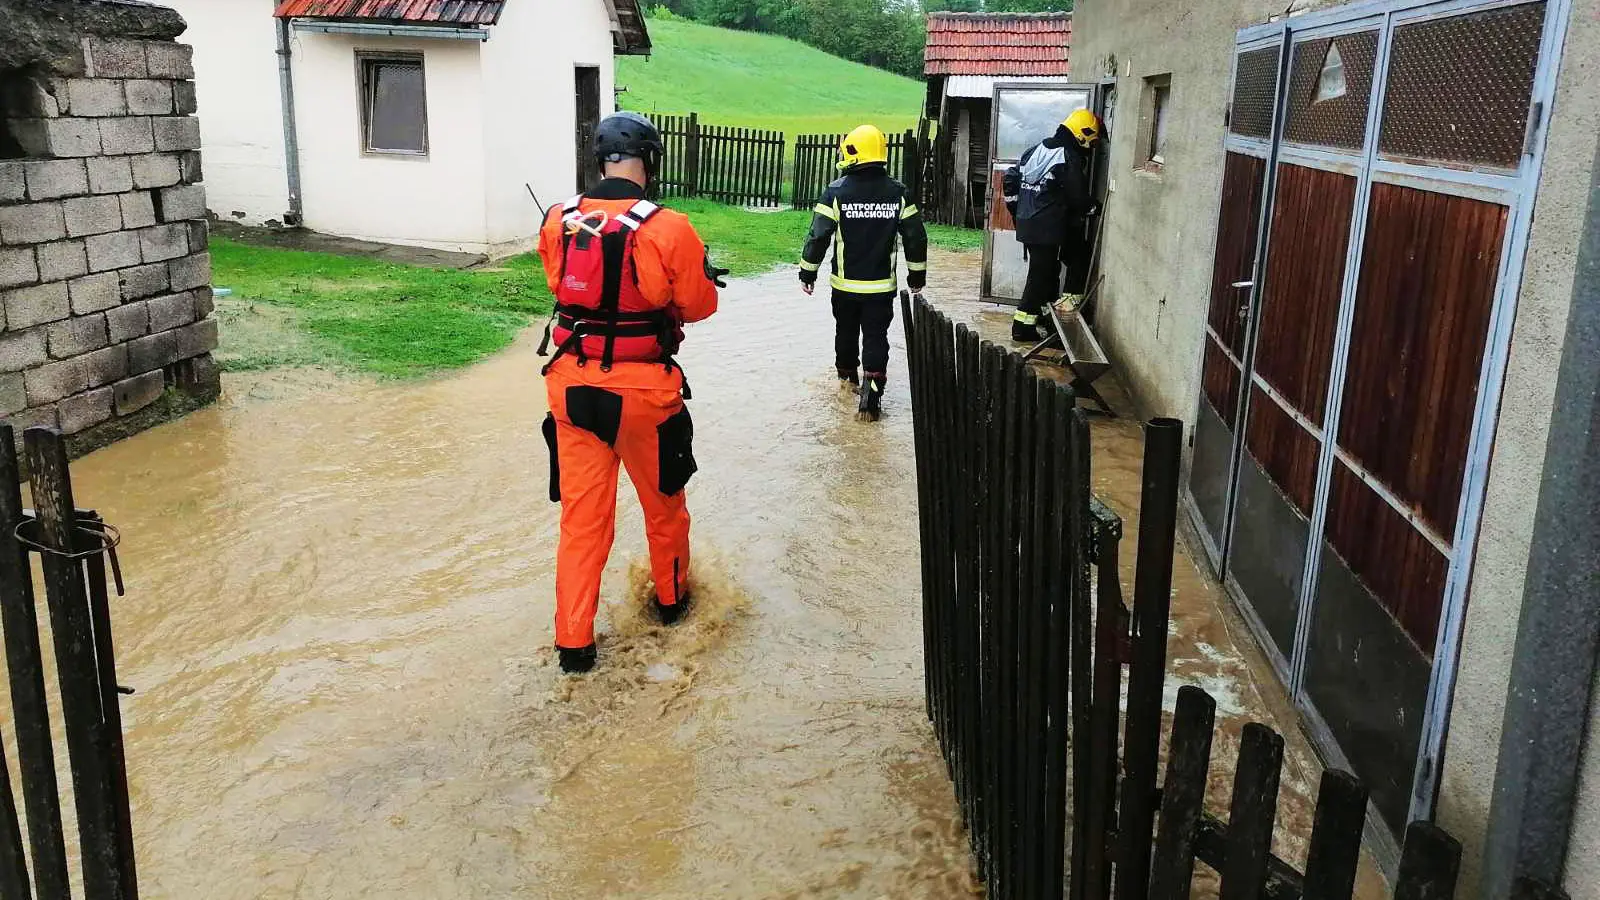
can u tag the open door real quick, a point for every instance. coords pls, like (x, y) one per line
(587, 85)
(1022, 115)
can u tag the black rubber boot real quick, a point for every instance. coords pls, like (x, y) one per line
(669, 615)
(1027, 334)
(871, 398)
(579, 661)
(850, 376)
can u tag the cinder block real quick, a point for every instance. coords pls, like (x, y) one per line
(13, 393)
(184, 102)
(144, 281)
(176, 133)
(52, 381)
(205, 301)
(128, 135)
(94, 293)
(115, 58)
(96, 97)
(199, 235)
(117, 250)
(18, 268)
(55, 178)
(32, 223)
(152, 351)
(128, 321)
(138, 392)
(86, 410)
(62, 260)
(186, 201)
(34, 417)
(22, 349)
(13, 186)
(171, 311)
(105, 366)
(110, 174)
(58, 138)
(170, 60)
(154, 170)
(92, 215)
(36, 305)
(164, 242)
(193, 340)
(149, 98)
(138, 209)
(76, 336)
(191, 271)
(190, 169)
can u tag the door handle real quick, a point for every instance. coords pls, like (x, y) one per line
(1244, 284)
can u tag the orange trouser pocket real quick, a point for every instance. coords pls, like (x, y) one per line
(632, 416)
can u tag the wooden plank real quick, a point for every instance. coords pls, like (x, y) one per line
(992, 545)
(1335, 851)
(1211, 848)
(71, 629)
(1252, 813)
(1183, 794)
(13, 863)
(41, 796)
(1110, 630)
(1429, 864)
(1080, 654)
(111, 707)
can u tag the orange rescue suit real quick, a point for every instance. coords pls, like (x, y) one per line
(631, 413)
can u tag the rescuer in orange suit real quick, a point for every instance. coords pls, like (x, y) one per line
(626, 275)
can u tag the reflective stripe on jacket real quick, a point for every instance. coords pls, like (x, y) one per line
(861, 216)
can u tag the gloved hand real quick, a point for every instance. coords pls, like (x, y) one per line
(916, 281)
(808, 280)
(714, 274)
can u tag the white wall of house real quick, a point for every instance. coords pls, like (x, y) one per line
(529, 87)
(431, 201)
(241, 110)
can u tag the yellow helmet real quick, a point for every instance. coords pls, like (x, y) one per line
(864, 145)
(1085, 127)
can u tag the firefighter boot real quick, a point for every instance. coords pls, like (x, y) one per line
(849, 377)
(1025, 332)
(871, 397)
(577, 662)
(669, 615)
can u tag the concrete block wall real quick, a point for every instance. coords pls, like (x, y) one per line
(105, 279)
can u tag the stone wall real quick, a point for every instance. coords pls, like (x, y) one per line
(105, 282)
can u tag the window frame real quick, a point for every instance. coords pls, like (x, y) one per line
(367, 63)
(1155, 103)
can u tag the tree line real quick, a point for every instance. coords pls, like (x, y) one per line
(887, 34)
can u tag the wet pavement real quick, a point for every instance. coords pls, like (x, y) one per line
(339, 619)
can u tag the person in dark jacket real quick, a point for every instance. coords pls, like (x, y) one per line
(861, 215)
(1049, 195)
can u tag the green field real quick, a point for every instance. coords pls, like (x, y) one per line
(759, 81)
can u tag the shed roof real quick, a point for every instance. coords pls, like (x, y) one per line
(998, 44)
(431, 12)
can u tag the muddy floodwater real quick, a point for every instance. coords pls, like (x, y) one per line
(339, 621)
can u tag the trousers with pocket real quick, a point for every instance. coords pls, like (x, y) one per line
(633, 416)
(861, 330)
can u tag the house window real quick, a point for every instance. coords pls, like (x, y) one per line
(394, 104)
(1157, 91)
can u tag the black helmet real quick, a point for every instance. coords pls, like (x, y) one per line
(628, 134)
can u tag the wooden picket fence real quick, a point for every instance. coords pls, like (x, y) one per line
(1026, 666)
(73, 546)
(816, 159)
(739, 166)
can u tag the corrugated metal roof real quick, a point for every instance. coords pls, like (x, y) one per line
(442, 12)
(998, 44)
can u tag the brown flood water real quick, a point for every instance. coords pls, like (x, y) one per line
(339, 617)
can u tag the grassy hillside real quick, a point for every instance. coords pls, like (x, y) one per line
(760, 81)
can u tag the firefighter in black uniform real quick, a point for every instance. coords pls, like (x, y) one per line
(861, 215)
(1048, 194)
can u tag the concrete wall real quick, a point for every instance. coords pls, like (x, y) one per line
(241, 122)
(1494, 608)
(528, 78)
(105, 281)
(1583, 856)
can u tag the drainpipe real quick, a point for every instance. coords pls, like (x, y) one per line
(1553, 666)
(291, 140)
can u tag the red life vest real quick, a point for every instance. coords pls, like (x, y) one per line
(600, 313)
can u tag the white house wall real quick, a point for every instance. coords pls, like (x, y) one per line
(241, 111)
(529, 89)
(432, 201)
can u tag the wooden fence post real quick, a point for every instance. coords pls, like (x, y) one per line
(1183, 794)
(1253, 813)
(13, 863)
(691, 143)
(1336, 837)
(1429, 864)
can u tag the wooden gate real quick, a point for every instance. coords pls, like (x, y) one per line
(741, 166)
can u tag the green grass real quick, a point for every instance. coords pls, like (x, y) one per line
(760, 81)
(297, 308)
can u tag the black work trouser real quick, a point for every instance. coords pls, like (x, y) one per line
(861, 334)
(1043, 286)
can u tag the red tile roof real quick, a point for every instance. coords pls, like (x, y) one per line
(441, 12)
(998, 44)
